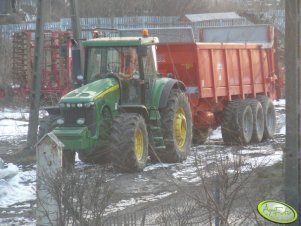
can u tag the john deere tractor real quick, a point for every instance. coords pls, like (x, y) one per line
(122, 110)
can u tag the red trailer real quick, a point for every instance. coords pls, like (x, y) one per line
(229, 82)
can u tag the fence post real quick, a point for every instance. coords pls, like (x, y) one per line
(49, 162)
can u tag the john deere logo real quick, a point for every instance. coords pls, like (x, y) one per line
(277, 212)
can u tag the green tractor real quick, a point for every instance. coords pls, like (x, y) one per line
(122, 110)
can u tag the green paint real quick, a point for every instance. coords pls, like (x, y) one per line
(75, 138)
(277, 212)
(89, 92)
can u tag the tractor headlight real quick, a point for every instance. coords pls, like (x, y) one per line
(79, 105)
(87, 105)
(60, 121)
(80, 121)
(62, 105)
(68, 105)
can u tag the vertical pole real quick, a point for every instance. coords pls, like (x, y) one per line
(293, 104)
(75, 22)
(76, 29)
(217, 199)
(36, 81)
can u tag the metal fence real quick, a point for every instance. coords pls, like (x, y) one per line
(121, 23)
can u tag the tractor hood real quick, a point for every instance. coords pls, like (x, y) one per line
(91, 92)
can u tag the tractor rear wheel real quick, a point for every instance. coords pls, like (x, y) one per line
(200, 136)
(176, 127)
(258, 120)
(269, 116)
(129, 143)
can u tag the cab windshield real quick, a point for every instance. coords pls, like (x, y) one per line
(121, 61)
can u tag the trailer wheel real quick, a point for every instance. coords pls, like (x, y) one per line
(237, 125)
(245, 123)
(47, 124)
(258, 120)
(129, 142)
(228, 123)
(269, 116)
(200, 136)
(176, 127)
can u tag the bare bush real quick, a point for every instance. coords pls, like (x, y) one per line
(81, 197)
(223, 191)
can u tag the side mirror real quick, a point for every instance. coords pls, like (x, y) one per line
(142, 51)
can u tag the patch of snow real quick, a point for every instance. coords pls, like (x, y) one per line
(216, 134)
(19, 188)
(10, 171)
(263, 161)
(280, 102)
(157, 166)
(123, 204)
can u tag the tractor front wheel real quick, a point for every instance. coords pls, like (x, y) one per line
(129, 143)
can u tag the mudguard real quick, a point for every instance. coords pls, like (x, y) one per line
(162, 89)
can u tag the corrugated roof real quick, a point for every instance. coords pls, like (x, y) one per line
(212, 16)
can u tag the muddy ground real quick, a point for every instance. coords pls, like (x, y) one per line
(162, 184)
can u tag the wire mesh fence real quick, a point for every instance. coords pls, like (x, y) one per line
(121, 23)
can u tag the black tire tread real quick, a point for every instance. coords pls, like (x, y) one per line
(123, 141)
(171, 153)
(256, 108)
(267, 102)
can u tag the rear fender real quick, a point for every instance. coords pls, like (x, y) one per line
(162, 89)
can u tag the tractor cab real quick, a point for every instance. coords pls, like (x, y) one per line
(131, 61)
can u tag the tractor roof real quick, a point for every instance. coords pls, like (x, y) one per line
(121, 41)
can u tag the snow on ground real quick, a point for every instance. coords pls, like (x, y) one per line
(18, 186)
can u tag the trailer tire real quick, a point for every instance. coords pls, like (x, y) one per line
(245, 123)
(258, 120)
(129, 143)
(200, 136)
(228, 123)
(47, 124)
(176, 127)
(269, 116)
(237, 125)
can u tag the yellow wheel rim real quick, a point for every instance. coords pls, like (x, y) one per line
(139, 144)
(180, 127)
